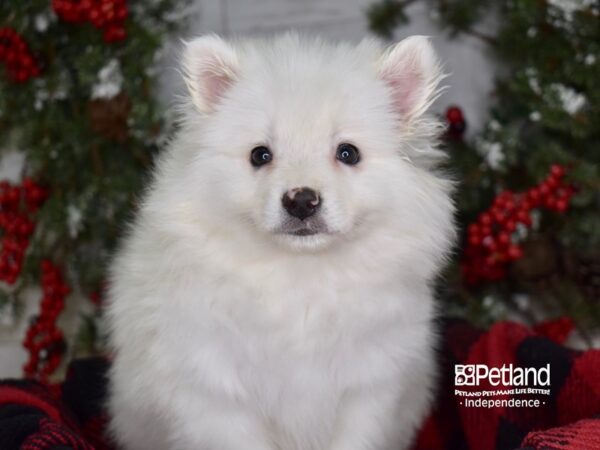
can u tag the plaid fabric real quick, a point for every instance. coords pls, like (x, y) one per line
(70, 416)
(62, 417)
(574, 394)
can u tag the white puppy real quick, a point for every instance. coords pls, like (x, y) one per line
(275, 289)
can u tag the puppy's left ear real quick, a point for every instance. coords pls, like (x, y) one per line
(210, 68)
(412, 72)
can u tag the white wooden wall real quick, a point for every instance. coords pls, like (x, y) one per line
(464, 58)
(470, 82)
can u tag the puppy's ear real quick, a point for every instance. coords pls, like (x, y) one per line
(412, 72)
(210, 68)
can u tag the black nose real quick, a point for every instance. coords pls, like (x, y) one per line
(301, 202)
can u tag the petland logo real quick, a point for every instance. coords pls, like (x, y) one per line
(474, 374)
(512, 387)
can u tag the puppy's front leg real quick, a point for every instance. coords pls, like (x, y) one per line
(220, 425)
(369, 420)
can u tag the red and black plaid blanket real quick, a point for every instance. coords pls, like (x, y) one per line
(69, 416)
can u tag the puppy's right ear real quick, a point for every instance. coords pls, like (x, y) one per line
(412, 72)
(210, 68)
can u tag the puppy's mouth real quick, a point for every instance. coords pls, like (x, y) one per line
(304, 232)
(312, 226)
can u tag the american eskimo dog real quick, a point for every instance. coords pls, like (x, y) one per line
(275, 290)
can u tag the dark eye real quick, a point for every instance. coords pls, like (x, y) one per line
(260, 156)
(348, 154)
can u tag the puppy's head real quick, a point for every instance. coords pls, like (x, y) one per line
(307, 144)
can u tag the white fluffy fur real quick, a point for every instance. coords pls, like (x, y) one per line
(230, 336)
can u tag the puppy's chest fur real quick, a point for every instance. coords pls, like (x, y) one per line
(289, 347)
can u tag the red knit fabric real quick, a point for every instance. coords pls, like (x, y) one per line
(34, 398)
(52, 434)
(577, 436)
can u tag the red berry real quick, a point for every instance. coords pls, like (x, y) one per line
(473, 229)
(491, 245)
(561, 205)
(503, 239)
(85, 6)
(114, 33)
(454, 114)
(499, 202)
(14, 195)
(523, 217)
(509, 205)
(552, 183)
(557, 170)
(526, 205)
(514, 252)
(122, 13)
(544, 190)
(486, 231)
(485, 219)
